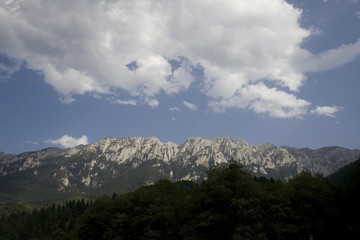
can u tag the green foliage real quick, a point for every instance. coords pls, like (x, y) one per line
(339, 176)
(349, 201)
(148, 213)
(229, 204)
(312, 200)
(54, 222)
(8, 208)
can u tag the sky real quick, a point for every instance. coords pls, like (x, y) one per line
(266, 71)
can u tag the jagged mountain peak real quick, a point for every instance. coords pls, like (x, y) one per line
(128, 140)
(216, 140)
(195, 140)
(139, 161)
(223, 138)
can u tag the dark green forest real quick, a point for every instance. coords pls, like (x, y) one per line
(229, 204)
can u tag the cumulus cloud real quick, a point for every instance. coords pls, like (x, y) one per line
(126, 102)
(326, 111)
(31, 142)
(174, 109)
(357, 14)
(68, 141)
(7, 70)
(190, 106)
(332, 58)
(262, 99)
(154, 103)
(148, 48)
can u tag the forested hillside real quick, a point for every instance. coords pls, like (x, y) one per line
(229, 204)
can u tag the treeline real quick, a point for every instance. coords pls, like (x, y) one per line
(55, 222)
(229, 204)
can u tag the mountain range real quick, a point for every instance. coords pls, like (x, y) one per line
(121, 165)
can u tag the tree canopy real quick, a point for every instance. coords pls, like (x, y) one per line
(229, 204)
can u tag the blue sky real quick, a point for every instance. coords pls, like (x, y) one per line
(284, 72)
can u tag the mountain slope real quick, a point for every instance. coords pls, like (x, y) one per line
(120, 165)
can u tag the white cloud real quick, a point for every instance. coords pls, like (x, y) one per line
(68, 141)
(332, 58)
(357, 14)
(126, 102)
(6, 70)
(129, 45)
(262, 99)
(31, 142)
(326, 111)
(190, 106)
(154, 103)
(174, 109)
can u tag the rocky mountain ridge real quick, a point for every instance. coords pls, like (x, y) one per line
(122, 164)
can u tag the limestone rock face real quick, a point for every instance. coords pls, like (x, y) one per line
(140, 161)
(11, 163)
(265, 159)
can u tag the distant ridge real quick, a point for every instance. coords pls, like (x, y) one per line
(120, 165)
